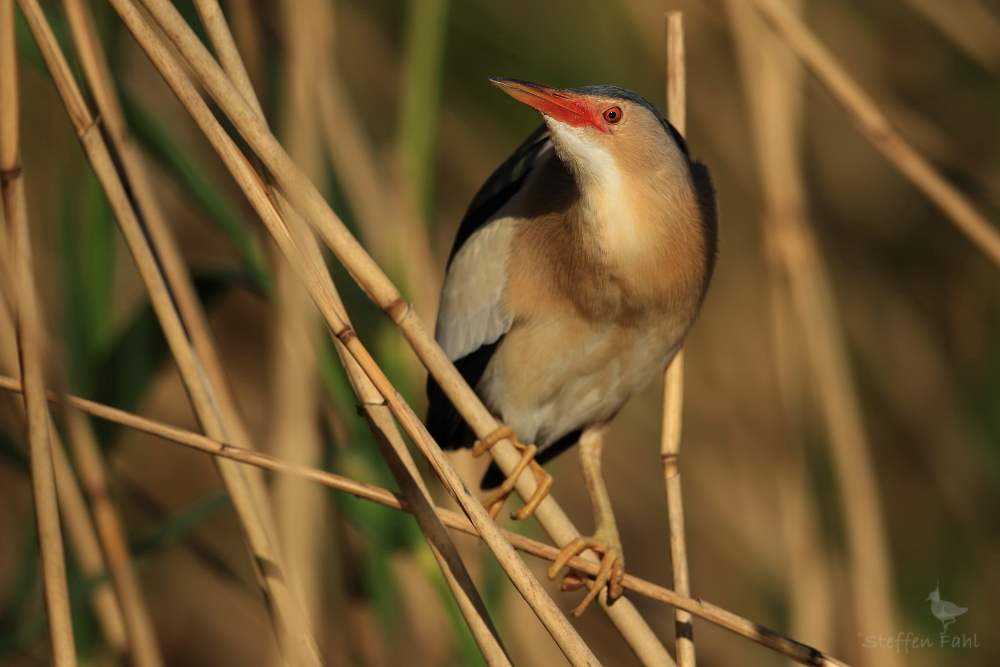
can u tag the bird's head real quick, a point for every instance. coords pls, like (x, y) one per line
(602, 131)
(935, 595)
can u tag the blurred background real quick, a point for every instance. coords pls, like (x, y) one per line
(841, 425)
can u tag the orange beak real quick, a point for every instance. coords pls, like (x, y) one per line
(562, 105)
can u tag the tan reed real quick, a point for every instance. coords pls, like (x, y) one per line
(673, 381)
(31, 346)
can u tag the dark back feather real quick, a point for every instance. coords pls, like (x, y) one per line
(502, 184)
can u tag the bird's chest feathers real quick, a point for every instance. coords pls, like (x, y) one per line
(637, 248)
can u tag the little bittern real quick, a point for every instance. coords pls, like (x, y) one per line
(576, 273)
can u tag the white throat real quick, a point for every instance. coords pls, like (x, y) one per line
(605, 203)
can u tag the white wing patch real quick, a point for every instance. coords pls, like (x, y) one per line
(472, 312)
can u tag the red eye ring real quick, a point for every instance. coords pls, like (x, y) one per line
(613, 115)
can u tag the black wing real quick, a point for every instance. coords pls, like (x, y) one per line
(443, 420)
(502, 184)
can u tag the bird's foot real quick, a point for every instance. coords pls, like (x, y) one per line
(612, 571)
(543, 479)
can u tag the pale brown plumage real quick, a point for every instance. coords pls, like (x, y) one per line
(577, 272)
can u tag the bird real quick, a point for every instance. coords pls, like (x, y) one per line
(944, 611)
(575, 274)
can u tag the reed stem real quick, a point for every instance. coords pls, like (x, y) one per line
(31, 346)
(673, 381)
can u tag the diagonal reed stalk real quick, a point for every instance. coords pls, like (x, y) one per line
(142, 644)
(250, 507)
(763, 636)
(417, 496)
(673, 382)
(397, 456)
(877, 129)
(163, 245)
(184, 296)
(315, 210)
(356, 167)
(799, 265)
(31, 347)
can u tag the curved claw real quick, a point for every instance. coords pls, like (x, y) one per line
(499, 433)
(496, 501)
(611, 573)
(543, 479)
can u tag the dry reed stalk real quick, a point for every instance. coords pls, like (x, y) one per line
(673, 381)
(458, 579)
(142, 645)
(250, 509)
(100, 82)
(391, 230)
(185, 297)
(877, 128)
(761, 635)
(772, 81)
(300, 508)
(246, 31)
(407, 476)
(79, 528)
(798, 266)
(469, 602)
(31, 342)
(86, 547)
(564, 634)
(417, 496)
(311, 204)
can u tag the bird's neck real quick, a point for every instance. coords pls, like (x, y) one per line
(644, 229)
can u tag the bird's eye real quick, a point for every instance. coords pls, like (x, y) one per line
(613, 115)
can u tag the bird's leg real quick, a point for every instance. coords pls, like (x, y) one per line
(542, 478)
(605, 541)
